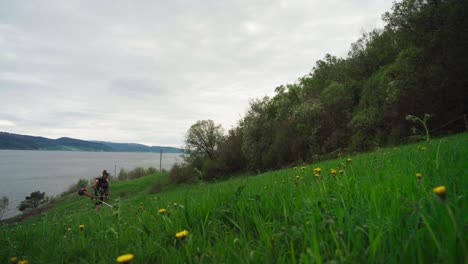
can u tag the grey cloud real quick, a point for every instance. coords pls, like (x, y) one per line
(145, 71)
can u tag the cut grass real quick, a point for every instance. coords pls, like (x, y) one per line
(376, 211)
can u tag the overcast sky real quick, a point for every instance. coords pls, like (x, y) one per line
(144, 71)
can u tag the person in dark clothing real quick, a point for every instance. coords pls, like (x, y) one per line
(101, 188)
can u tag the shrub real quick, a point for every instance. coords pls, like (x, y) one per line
(157, 187)
(123, 174)
(33, 201)
(181, 173)
(4, 202)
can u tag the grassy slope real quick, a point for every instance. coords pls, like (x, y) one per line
(376, 212)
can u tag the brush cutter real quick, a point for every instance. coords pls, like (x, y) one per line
(82, 192)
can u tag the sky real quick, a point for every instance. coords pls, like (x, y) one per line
(145, 71)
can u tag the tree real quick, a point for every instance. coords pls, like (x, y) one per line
(33, 201)
(203, 138)
(3, 205)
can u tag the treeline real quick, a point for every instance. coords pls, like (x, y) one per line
(416, 65)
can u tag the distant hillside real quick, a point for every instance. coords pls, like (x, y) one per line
(24, 142)
(133, 147)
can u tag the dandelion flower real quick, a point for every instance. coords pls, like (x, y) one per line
(162, 211)
(418, 176)
(175, 204)
(182, 234)
(333, 172)
(303, 168)
(23, 261)
(81, 227)
(317, 175)
(297, 177)
(441, 191)
(294, 168)
(14, 260)
(126, 258)
(69, 229)
(317, 170)
(349, 160)
(64, 237)
(341, 171)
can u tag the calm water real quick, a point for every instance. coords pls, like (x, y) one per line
(52, 172)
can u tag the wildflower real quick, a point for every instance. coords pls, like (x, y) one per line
(317, 170)
(441, 191)
(182, 234)
(349, 160)
(341, 171)
(343, 165)
(14, 260)
(23, 261)
(419, 176)
(333, 172)
(33, 224)
(126, 258)
(162, 211)
(297, 177)
(303, 168)
(69, 229)
(175, 204)
(317, 175)
(294, 168)
(81, 227)
(64, 237)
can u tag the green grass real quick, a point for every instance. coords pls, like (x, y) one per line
(376, 212)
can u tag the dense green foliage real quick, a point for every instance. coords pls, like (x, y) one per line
(415, 66)
(375, 211)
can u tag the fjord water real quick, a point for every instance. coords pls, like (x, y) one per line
(52, 172)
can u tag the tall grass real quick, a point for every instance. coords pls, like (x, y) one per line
(376, 211)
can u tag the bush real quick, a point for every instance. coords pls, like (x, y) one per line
(157, 187)
(75, 187)
(181, 173)
(136, 173)
(33, 201)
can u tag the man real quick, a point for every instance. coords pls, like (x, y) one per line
(101, 188)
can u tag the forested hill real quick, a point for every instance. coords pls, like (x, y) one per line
(24, 142)
(412, 71)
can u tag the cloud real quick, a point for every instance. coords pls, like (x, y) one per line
(6, 123)
(145, 71)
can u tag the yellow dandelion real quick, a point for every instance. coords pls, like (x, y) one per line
(349, 160)
(69, 229)
(418, 176)
(343, 165)
(64, 237)
(126, 258)
(23, 261)
(81, 227)
(14, 260)
(317, 170)
(333, 172)
(303, 168)
(341, 171)
(174, 204)
(182, 234)
(294, 168)
(297, 177)
(441, 191)
(317, 175)
(162, 211)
